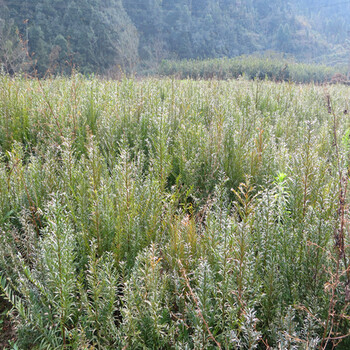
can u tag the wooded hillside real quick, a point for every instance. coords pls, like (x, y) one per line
(99, 36)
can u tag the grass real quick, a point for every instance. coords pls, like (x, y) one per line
(173, 214)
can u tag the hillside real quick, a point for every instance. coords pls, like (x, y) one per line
(100, 36)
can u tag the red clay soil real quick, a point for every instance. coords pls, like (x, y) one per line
(7, 331)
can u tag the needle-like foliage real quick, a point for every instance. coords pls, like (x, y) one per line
(169, 214)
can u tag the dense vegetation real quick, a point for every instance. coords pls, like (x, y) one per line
(167, 214)
(63, 34)
(101, 36)
(253, 67)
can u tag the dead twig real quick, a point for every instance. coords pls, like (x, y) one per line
(199, 312)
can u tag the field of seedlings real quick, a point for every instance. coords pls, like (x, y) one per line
(174, 214)
(251, 67)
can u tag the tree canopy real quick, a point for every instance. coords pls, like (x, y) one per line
(100, 35)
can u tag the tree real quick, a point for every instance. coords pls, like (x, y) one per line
(12, 47)
(283, 38)
(148, 17)
(179, 27)
(92, 35)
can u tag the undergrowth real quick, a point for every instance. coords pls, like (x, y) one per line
(253, 67)
(168, 214)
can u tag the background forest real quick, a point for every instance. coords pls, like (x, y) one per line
(108, 35)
